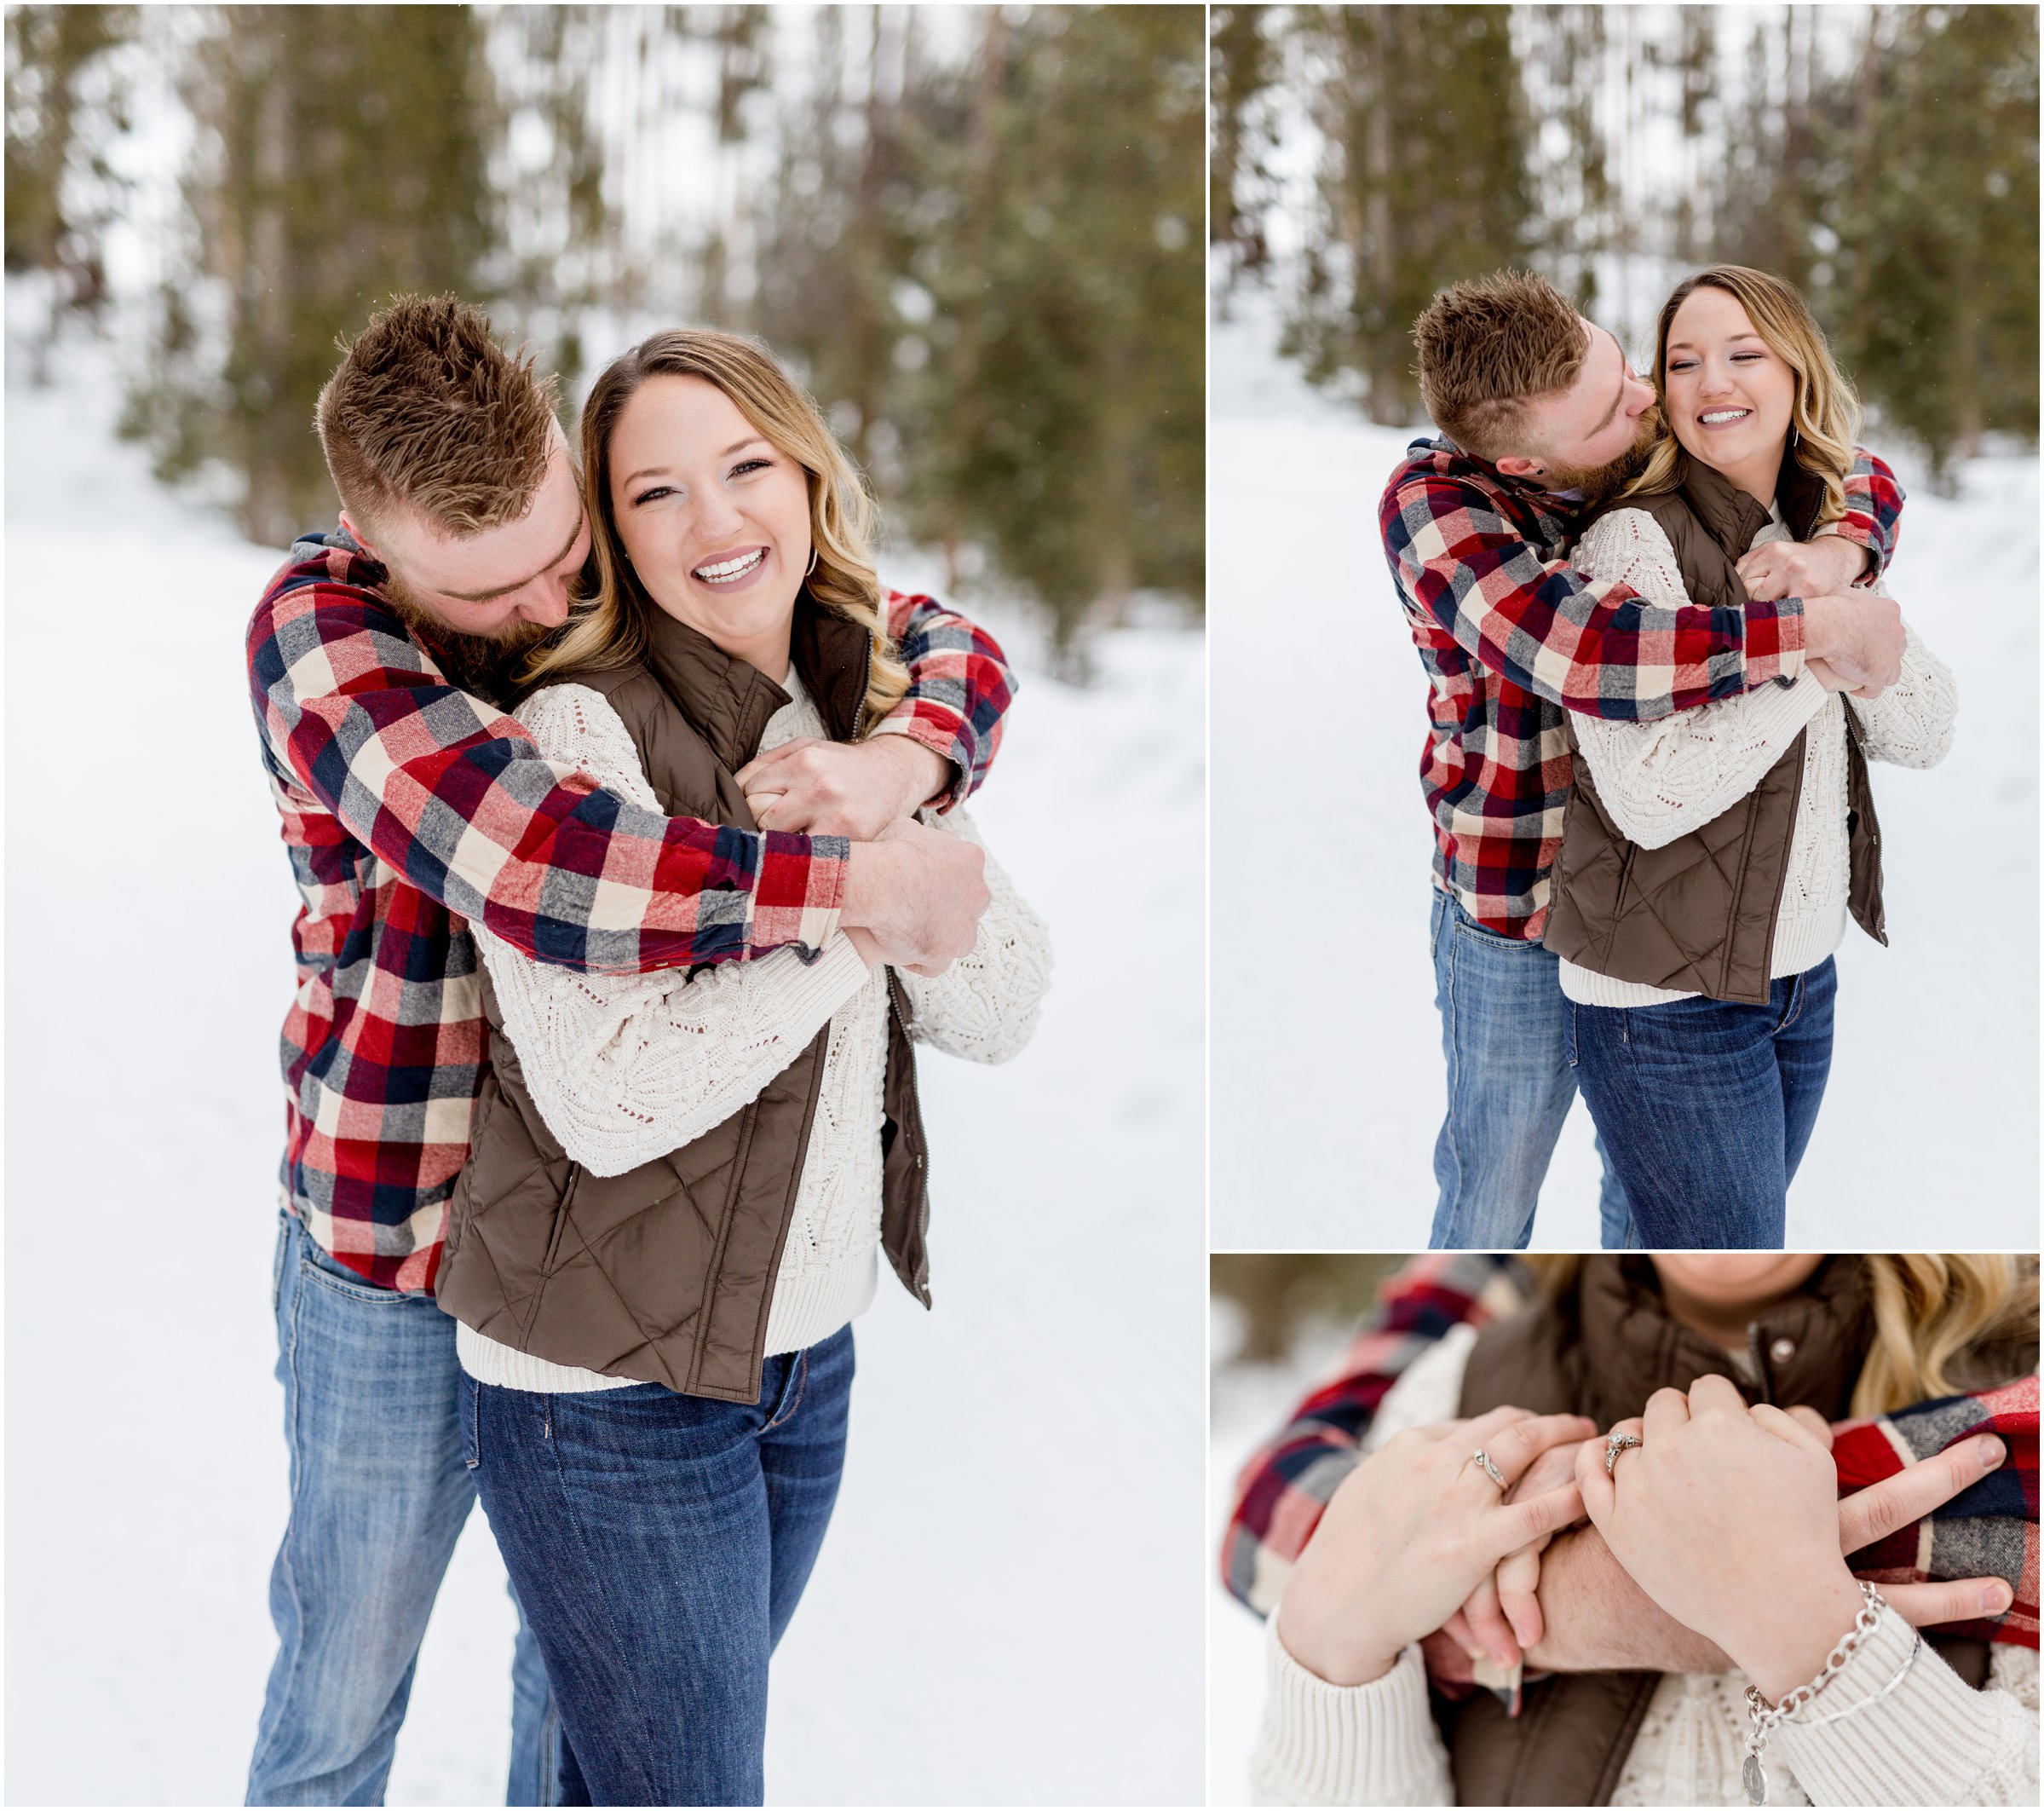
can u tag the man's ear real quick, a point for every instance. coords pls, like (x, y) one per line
(361, 540)
(1511, 466)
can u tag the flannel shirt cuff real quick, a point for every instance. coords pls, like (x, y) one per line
(798, 893)
(1775, 641)
(941, 743)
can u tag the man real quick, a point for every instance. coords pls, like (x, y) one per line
(379, 660)
(1541, 417)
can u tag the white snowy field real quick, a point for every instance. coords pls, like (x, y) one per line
(1328, 1085)
(1008, 1607)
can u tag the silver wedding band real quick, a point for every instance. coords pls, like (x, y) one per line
(1480, 1457)
(1614, 1446)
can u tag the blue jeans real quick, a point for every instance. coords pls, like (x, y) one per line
(1504, 1033)
(1706, 1107)
(378, 1495)
(659, 1543)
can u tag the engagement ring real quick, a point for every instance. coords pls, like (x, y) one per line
(1480, 1457)
(1614, 1446)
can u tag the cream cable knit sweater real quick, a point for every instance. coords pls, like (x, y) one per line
(1660, 780)
(626, 1068)
(1933, 1740)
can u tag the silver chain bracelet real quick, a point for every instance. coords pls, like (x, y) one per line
(1765, 1716)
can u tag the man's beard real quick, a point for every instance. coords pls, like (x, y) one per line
(483, 663)
(1598, 485)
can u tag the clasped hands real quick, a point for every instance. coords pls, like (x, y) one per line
(912, 895)
(1853, 639)
(1718, 1542)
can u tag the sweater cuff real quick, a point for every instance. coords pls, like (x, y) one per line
(1925, 1740)
(1331, 1744)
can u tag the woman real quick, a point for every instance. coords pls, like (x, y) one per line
(678, 1184)
(1720, 1502)
(1708, 858)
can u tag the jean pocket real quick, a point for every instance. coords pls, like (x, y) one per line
(1574, 1061)
(471, 1435)
(284, 1246)
(330, 1273)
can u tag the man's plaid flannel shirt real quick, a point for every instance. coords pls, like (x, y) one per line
(409, 807)
(1989, 1528)
(1512, 636)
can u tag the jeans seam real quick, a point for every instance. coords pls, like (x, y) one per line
(641, 1716)
(802, 1379)
(286, 1563)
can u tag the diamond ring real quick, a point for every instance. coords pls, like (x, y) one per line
(1614, 1446)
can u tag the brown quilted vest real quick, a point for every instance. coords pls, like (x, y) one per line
(665, 1274)
(1698, 914)
(1601, 1348)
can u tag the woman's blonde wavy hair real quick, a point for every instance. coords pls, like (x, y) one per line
(1825, 416)
(609, 630)
(1931, 1311)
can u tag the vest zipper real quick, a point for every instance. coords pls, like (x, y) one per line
(560, 1213)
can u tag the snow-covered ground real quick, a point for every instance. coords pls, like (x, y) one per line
(1326, 1078)
(1008, 1608)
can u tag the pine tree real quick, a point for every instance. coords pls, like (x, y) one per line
(56, 135)
(1427, 182)
(352, 146)
(1244, 63)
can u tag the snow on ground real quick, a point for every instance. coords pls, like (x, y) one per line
(1327, 1078)
(1008, 1607)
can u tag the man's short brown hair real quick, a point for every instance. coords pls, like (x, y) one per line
(428, 413)
(1488, 348)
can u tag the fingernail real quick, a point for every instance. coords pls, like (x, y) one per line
(1992, 1453)
(1995, 1599)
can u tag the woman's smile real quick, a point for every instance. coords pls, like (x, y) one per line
(727, 572)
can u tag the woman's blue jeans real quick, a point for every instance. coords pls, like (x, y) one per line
(659, 1543)
(1706, 1106)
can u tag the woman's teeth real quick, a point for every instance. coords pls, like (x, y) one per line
(727, 570)
(1717, 418)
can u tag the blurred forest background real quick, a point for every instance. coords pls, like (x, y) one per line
(976, 232)
(1273, 1297)
(1883, 159)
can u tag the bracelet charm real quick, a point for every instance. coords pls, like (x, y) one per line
(1753, 1775)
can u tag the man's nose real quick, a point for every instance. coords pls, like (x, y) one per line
(548, 603)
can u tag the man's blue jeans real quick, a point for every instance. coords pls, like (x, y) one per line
(1504, 1033)
(1706, 1106)
(379, 1494)
(659, 1543)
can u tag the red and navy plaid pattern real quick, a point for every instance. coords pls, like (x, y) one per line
(1989, 1528)
(1511, 638)
(410, 806)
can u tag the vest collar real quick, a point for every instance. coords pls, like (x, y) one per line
(1807, 1349)
(730, 701)
(1731, 518)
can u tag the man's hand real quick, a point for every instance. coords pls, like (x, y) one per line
(1859, 636)
(849, 789)
(1801, 569)
(918, 891)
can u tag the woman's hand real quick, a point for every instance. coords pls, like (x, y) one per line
(1778, 569)
(1727, 1517)
(1409, 1535)
(848, 789)
(1501, 1617)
